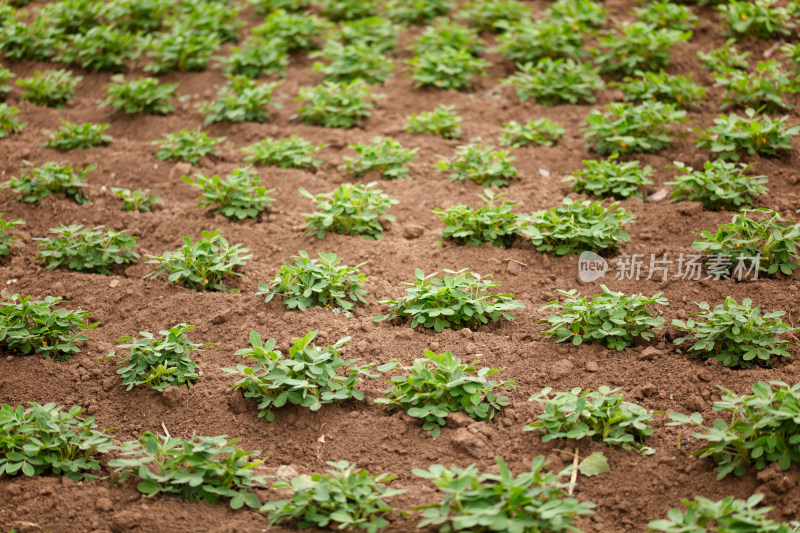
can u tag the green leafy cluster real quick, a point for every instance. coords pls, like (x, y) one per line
(726, 515)
(36, 41)
(539, 131)
(101, 48)
(199, 468)
(350, 209)
(602, 415)
(237, 196)
(608, 177)
(349, 62)
(338, 10)
(763, 90)
(584, 16)
(86, 249)
(6, 239)
(482, 164)
(640, 46)
(612, 319)
(51, 88)
(763, 429)
(136, 200)
(443, 121)
(756, 18)
(144, 95)
(46, 438)
(71, 136)
(349, 498)
(257, 56)
(446, 68)
(755, 134)
(724, 58)
(50, 179)
(666, 14)
(9, 123)
(720, 185)
(494, 15)
(417, 12)
(298, 31)
(186, 145)
(757, 233)
(201, 265)
(28, 327)
(182, 49)
(738, 336)
(290, 152)
(336, 105)
(240, 100)
(662, 87)
(473, 501)
(386, 156)
(376, 32)
(458, 301)
(526, 41)
(557, 81)
(447, 35)
(439, 384)
(158, 363)
(492, 222)
(309, 377)
(311, 282)
(5, 88)
(574, 227)
(265, 7)
(627, 128)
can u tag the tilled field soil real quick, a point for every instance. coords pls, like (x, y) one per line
(638, 488)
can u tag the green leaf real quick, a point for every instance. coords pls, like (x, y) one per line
(594, 464)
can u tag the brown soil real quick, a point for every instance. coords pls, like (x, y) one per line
(637, 490)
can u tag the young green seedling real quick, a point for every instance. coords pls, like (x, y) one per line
(237, 196)
(608, 177)
(721, 185)
(738, 336)
(72, 136)
(186, 145)
(442, 121)
(86, 249)
(601, 415)
(458, 301)
(492, 222)
(311, 282)
(345, 496)
(199, 468)
(6, 239)
(759, 236)
(574, 227)
(308, 377)
(41, 439)
(158, 362)
(761, 429)
(351, 209)
(481, 164)
(291, 152)
(612, 319)
(473, 501)
(201, 265)
(28, 327)
(539, 131)
(386, 156)
(439, 384)
(137, 200)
